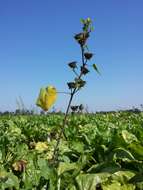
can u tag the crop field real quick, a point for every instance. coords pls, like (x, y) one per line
(100, 152)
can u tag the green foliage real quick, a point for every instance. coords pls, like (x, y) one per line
(95, 68)
(102, 151)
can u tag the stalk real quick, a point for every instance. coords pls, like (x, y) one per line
(75, 90)
(78, 83)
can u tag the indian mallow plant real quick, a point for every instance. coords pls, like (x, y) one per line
(48, 95)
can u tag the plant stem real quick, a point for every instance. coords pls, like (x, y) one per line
(82, 53)
(55, 153)
(63, 126)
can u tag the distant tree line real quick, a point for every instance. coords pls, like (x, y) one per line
(134, 110)
(54, 111)
(18, 112)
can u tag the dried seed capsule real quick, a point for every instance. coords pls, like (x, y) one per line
(80, 83)
(84, 70)
(81, 107)
(88, 55)
(78, 36)
(74, 108)
(81, 37)
(72, 65)
(71, 85)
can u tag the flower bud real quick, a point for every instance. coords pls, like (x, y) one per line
(88, 20)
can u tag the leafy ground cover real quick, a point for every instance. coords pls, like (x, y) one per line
(100, 152)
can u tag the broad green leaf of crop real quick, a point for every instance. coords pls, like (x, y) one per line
(64, 167)
(89, 181)
(128, 137)
(11, 182)
(77, 146)
(3, 175)
(105, 167)
(44, 169)
(117, 186)
(47, 97)
(123, 176)
(122, 153)
(138, 178)
(137, 149)
(113, 186)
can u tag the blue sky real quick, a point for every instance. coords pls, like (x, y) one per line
(36, 43)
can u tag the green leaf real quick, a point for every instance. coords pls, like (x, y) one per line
(44, 169)
(82, 21)
(137, 178)
(77, 146)
(117, 186)
(137, 149)
(96, 69)
(128, 137)
(123, 176)
(90, 181)
(64, 167)
(122, 153)
(104, 167)
(12, 181)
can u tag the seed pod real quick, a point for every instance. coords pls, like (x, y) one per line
(72, 65)
(81, 107)
(81, 38)
(84, 70)
(71, 85)
(80, 83)
(74, 108)
(78, 36)
(88, 55)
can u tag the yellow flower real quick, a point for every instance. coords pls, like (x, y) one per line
(47, 97)
(41, 146)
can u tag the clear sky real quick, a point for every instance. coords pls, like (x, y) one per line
(36, 43)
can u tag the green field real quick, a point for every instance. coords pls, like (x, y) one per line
(101, 151)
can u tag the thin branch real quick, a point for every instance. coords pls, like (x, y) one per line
(75, 73)
(82, 54)
(55, 153)
(73, 92)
